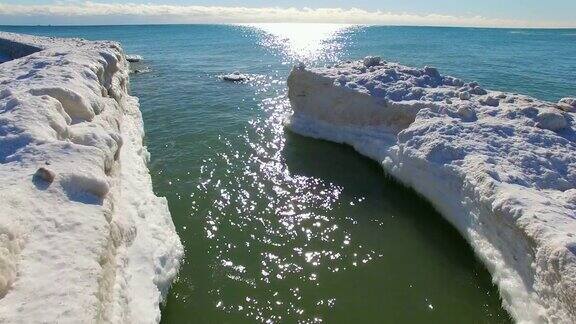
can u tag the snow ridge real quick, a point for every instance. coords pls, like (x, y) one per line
(83, 238)
(499, 166)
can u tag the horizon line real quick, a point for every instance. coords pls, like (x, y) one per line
(262, 23)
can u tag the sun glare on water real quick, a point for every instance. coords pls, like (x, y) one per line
(274, 240)
(284, 229)
(304, 42)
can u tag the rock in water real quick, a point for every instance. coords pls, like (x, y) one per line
(235, 77)
(141, 70)
(134, 58)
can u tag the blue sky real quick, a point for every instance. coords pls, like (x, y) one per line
(494, 13)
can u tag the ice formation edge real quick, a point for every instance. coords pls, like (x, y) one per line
(83, 238)
(498, 166)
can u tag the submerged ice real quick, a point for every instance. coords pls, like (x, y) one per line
(499, 166)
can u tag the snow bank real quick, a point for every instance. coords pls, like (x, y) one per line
(82, 236)
(500, 167)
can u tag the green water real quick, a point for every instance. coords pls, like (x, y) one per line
(281, 228)
(380, 253)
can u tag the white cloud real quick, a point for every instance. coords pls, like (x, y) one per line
(63, 12)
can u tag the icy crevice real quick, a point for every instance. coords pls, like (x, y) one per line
(73, 245)
(499, 166)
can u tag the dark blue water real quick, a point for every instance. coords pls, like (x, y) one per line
(282, 228)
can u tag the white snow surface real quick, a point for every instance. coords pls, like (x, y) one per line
(95, 244)
(500, 167)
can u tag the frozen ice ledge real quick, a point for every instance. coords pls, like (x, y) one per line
(500, 167)
(83, 238)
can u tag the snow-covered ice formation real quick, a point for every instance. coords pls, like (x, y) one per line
(235, 77)
(83, 238)
(501, 167)
(134, 58)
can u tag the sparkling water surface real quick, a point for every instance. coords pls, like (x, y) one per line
(282, 228)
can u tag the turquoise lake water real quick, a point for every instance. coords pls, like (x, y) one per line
(281, 228)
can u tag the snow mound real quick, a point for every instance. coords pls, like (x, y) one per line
(83, 238)
(499, 166)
